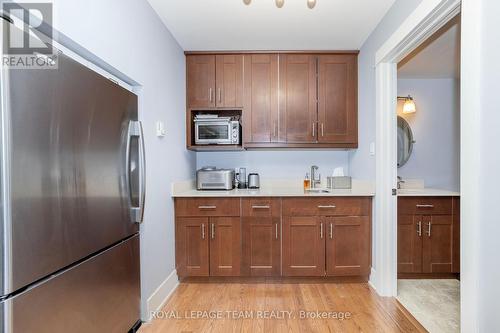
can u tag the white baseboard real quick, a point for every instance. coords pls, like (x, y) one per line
(372, 281)
(160, 296)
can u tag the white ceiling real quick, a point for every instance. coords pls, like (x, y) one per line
(231, 25)
(437, 58)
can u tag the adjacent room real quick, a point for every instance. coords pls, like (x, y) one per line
(429, 180)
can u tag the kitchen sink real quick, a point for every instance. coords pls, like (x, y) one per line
(317, 190)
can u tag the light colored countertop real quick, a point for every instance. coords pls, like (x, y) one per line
(278, 188)
(426, 192)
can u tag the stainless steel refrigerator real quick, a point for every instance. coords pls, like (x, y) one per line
(72, 196)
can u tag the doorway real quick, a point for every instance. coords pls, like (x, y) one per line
(428, 161)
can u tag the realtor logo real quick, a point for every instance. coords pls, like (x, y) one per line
(24, 45)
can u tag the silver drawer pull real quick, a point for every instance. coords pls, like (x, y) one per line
(261, 207)
(321, 230)
(327, 206)
(425, 206)
(207, 207)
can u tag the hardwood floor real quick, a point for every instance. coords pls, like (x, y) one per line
(277, 306)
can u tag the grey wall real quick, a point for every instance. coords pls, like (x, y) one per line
(278, 164)
(128, 35)
(362, 164)
(436, 128)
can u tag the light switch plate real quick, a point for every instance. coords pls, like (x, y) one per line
(160, 129)
(372, 148)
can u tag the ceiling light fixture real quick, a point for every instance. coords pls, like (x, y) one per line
(280, 3)
(409, 105)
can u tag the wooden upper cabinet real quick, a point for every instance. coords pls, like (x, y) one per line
(298, 97)
(261, 123)
(347, 245)
(200, 81)
(337, 102)
(229, 81)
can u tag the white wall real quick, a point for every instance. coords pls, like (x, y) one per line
(277, 164)
(436, 130)
(128, 35)
(362, 164)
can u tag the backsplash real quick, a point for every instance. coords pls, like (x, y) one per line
(278, 164)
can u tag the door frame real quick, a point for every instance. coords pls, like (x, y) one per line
(424, 21)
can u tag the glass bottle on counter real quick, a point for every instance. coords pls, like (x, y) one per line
(307, 182)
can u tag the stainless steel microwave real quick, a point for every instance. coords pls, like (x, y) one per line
(220, 131)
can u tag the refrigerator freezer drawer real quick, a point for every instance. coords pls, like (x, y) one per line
(102, 294)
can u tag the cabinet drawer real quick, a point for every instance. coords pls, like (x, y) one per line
(327, 206)
(425, 205)
(207, 207)
(261, 207)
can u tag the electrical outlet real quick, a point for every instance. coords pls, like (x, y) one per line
(372, 148)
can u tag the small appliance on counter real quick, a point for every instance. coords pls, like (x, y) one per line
(253, 181)
(211, 129)
(241, 178)
(211, 178)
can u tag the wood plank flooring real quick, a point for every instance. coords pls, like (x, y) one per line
(279, 306)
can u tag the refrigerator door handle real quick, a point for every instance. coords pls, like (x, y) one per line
(135, 130)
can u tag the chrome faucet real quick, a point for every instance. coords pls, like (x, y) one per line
(400, 181)
(315, 181)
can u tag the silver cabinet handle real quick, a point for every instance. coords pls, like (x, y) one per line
(135, 130)
(275, 128)
(425, 206)
(212, 231)
(276, 230)
(203, 231)
(261, 207)
(220, 95)
(207, 207)
(429, 229)
(210, 94)
(322, 129)
(314, 129)
(326, 206)
(331, 230)
(321, 230)
(419, 228)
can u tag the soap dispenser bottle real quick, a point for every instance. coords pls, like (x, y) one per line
(307, 182)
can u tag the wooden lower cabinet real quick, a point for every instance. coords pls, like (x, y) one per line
(328, 241)
(428, 242)
(270, 239)
(191, 247)
(225, 246)
(303, 246)
(348, 246)
(261, 237)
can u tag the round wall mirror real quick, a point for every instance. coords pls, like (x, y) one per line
(405, 141)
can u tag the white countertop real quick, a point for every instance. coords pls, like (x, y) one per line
(426, 192)
(273, 189)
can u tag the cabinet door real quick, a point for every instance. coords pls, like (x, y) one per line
(229, 80)
(410, 243)
(225, 246)
(200, 81)
(298, 97)
(438, 244)
(191, 242)
(303, 246)
(337, 104)
(261, 99)
(261, 237)
(347, 246)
